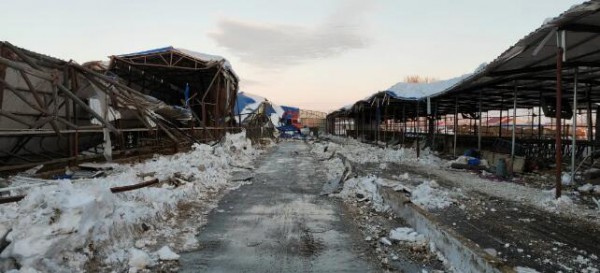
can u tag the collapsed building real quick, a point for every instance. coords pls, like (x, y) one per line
(53, 111)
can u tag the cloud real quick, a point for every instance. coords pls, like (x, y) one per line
(274, 45)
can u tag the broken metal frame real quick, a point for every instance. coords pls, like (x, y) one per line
(61, 112)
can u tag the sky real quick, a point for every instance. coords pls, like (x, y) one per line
(312, 54)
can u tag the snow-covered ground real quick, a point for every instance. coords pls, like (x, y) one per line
(453, 188)
(62, 226)
(429, 163)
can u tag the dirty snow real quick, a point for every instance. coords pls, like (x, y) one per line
(407, 234)
(429, 196)
(520, 269)
(60, 226)
(429, 163)
(364, 188)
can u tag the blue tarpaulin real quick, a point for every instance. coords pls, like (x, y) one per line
(243, 101)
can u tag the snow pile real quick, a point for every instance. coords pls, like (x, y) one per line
(406, 234)
(367, 187)
(552, 204)
(61, 226)
(139, 259)
(362, 153)
(335, 168)
(428, 196)
(166, 254)
(589, 188)
(521, 269)
(586, 265)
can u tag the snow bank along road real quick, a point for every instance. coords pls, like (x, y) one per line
(280, 224)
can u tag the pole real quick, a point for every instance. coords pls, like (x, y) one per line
(540, 129)
(500, 131)
(559, 56)
(455, 123)
(574, 140)
(418, 124)
(590, 134)
(403, 123)
(479, 127)
(514, 129)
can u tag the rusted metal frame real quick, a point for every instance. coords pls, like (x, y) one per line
(208, 89)
(11, 155)
(166, 66)
(163, 58)
(559, 63)
(23, 98)
(216, 108)
(200, 121)
(23, 56)
(37, 73)
(38, 124)
(83, 105)
(107, 90)
(38, 99)
(178, 60)
(38, 154)
(45, 76)
(15, 118)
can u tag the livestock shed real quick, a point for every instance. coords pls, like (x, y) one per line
(547, 84)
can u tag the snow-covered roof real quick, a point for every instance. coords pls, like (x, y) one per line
(203, 57)
(404, 90)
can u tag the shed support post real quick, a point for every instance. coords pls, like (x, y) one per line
(403, 123)
(418, 129)
(479, 127)
(540, 129)
(590, 132)
(574, 140)
(455, 123)
(514, 129)
(559, 62)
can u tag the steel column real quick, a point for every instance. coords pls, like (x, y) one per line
(559, 63)
(574, 140)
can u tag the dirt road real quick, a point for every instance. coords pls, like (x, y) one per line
(279, 223)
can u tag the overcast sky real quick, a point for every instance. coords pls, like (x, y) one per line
(314, 54)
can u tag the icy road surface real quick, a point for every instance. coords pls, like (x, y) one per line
(281, 224)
